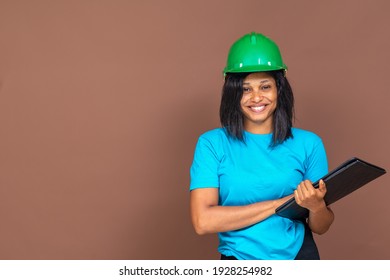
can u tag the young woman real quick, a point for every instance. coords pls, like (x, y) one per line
(256, 161)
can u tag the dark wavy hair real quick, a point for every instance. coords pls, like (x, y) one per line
(232, 118)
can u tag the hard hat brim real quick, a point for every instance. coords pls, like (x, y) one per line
(254, 68)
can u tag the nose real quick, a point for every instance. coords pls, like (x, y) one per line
(256, 96)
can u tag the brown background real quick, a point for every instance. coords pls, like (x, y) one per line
(101, 104)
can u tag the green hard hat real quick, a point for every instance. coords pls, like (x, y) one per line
(254, 52)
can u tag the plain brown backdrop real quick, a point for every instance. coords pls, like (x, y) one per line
(101, 104)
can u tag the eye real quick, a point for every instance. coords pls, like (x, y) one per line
(265, 87)
(245, 89)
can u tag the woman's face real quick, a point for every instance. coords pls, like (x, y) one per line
(258, 102)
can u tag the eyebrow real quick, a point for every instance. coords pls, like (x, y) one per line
(261, 82)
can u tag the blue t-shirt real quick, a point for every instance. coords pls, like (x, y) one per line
(253, 171)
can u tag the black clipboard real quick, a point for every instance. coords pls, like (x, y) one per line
(346, 178)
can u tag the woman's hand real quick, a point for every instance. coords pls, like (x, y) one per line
(320, 216)
(309, 197)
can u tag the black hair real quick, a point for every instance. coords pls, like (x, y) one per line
(232, 118)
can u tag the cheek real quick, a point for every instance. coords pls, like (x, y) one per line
(243, 106)
(275, 96)
(244, 99)
(274, 99)
(242, 102)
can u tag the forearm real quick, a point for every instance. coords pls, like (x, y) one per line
(321, 219)
(215, 218)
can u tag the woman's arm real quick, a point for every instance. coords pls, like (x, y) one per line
(208, 217)
(320, 216)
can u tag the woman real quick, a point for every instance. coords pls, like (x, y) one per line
(256, 161)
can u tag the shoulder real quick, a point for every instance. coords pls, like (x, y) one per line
(305, 136)
(213, 141)
(214, 135)
(308, 143)
(310, 146)
(211, 144)
(304, 140)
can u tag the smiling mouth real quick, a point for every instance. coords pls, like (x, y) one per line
(257, 109)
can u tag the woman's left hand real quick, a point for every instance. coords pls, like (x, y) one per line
(309, 197)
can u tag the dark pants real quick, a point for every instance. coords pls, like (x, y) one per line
(308, 251)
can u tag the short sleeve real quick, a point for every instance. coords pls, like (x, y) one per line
(316, 163)
(205, 165)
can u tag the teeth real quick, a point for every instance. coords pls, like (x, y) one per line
(259, 108)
